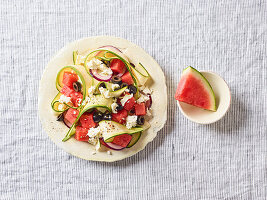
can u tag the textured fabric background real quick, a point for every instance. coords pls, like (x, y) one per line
(225, 160)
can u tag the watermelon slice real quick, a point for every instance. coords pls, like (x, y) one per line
(194, 89)
(127, 78)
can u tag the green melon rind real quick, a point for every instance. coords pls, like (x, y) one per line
(205, 83)
(135, 138)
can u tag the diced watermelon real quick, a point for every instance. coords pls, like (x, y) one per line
(127, 78)
(140, 109)
(66, 91)
(87, 120)
(122, 140)
(129, 104)
(117, 66)
(76, 98)
(71, 115)
(120, 117)
(69, 78)
(81, 134)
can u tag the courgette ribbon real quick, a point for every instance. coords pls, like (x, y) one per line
(106, 105)
(55, 102)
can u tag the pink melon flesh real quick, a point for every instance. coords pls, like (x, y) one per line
(194, 89)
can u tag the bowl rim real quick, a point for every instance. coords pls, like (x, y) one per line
(214, 120)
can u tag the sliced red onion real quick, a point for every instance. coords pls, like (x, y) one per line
(110, 47)
(149, 104)
(111, 145)
(98, 77)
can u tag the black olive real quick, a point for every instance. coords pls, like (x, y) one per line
(97, 116)
(107, 116)
(103, 85)
(60, 117)
(132, 65)
(77, 86)
(132, 112)
(124, 85)
(132, 89)
(119, 107)
(140, 120)
(116, 80)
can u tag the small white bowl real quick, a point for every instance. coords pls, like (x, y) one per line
(223, 100)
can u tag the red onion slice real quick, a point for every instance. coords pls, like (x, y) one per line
(111, 145)
(109, 47)
(98, 77)
(149, 102)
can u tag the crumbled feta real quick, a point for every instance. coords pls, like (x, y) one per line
(91, 91)
(109, 153)
(92, 141)
(97, 64)
(114, 107)
(91, 100)
(94, 134)
(131, 121)
(61, 106)
(127, 90)
(94, 63)
(106, 71)
(142, 98)
(104, 92)
(126, 98)
(115, 86)
(64, 99)
(146, 90)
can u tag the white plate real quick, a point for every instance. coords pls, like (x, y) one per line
(223, 100)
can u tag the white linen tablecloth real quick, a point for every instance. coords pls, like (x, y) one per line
(225, 160)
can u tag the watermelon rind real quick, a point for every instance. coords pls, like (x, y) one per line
(205, 83)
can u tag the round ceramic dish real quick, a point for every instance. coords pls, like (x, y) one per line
(223, 100)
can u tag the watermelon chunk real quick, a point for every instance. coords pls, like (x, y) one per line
(71, 115)
(194, 89)
(87, 121)
(140, 109)
(129, 104)
(69, 78)
(76, 98)
(127, 78)
(81, 134)
(120, 117)
(117, 66)
(66, 91)
(122, 140)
